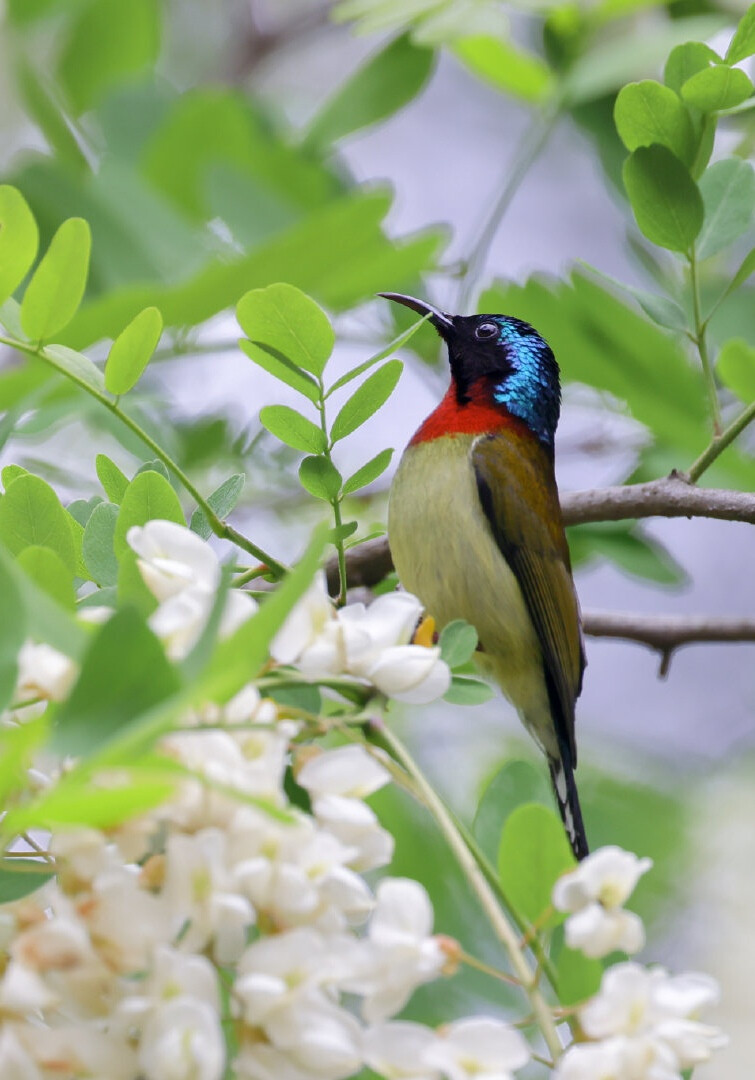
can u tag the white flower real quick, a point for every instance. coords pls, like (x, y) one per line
(478, 1048)
(304, 625)
(200, 895)
(662, 1010)
(607, 876)
(44, 672)
(598, 932)
(399, 953)
(411, 673)
(594, 893)
(595, 1061)
(389, 620)
(182, 1040)
(319, 1037)
(400, 1051)
(353, 823)
(23, 991)
(15, 1062)
(172, 558)
(348, 771)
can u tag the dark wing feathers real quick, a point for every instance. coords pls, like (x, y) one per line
(518, 494)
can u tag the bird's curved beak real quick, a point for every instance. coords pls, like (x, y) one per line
(440, 319)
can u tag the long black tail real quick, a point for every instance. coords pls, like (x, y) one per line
(567, 797)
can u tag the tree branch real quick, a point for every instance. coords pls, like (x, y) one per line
(672, 496)
(667, 633)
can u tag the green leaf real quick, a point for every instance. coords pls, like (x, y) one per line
(13, 629)
(367, 399)
(647, 112)
(10, 472)
(47, 620)
(42, 104)
(686, 60)
(467, 690)
(15, 884)
(743, 43)
(515, 783)
(222, 500)
(458, 641)
(661, 309)
(18, 744)
(289, 321)
(533, 853)
(320, 478)
(736, 368)
(579, 977)
(148, 497)
(608, 64)
(745, 271)
(124, 674)
(624, 544)
(31, 514)
(293, 429)
(75, 366)
(665, 199)
(131, 351)
(340, 274)
(131, 589)
(19, 240)
(343, 531)
(728, 191)
(275, 363)
(397, 343)
(379, 88)
(47, 570)
(108, 43)
(97, 548)
(56, 289)
(72, 802)
(114, 482)
(368, 472)
(717, 88)
(154, 466)
(82, 509)
(505, 66)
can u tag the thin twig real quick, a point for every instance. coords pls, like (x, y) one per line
(720, 442)
(701, 342)
(219, 527)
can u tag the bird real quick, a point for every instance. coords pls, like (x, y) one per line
(475, 528)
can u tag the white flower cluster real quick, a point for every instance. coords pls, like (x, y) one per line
(644, 1020)
(227, 909)
(368, 643)
(227, 929)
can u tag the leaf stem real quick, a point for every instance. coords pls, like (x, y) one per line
(530, 147)
(335, 502)
(499, 923)
(219, 527)
(701, 342)
(720, 442)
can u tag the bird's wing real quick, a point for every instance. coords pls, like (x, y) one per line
(518, 494)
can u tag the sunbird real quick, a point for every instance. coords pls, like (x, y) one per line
(475, 528)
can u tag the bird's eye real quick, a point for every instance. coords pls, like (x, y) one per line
(486, 330)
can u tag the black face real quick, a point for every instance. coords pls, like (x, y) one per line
(504, 357)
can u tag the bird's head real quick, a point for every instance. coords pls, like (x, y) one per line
(501, 360)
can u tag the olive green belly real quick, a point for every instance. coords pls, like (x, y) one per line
(444, 552)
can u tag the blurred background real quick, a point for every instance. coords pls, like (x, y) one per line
(220, 145)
